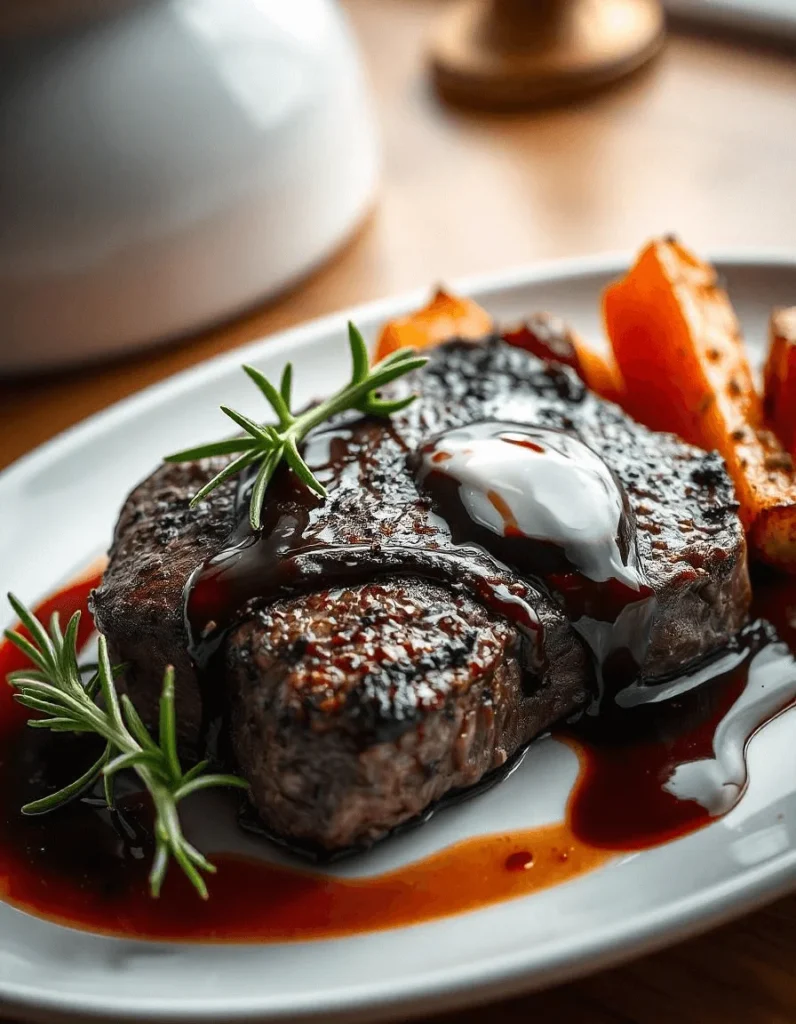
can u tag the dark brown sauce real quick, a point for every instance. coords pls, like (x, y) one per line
(83, 867)
(545, 504)
(294, 550)
(675, 760)
(508, 502)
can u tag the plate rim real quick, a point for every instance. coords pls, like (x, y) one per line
(445, 988)
(507, 279)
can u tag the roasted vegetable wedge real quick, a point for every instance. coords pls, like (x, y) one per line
(780, 377)
(679, 348)
(446, 316)
(550, 337)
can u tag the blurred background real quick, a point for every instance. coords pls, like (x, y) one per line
(181, 176)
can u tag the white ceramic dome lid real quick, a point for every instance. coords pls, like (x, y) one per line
(167, 165)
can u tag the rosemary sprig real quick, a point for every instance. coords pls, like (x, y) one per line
(55, 688)
(269, 445)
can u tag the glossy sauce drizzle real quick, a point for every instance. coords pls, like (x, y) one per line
(302, 543)
(672, 759)
(515, 510)
(83, 867)
(545, 504)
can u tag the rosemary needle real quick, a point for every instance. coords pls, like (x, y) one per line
(269, 445)
(54, 687)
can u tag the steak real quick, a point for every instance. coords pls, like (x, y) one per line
(355, 691)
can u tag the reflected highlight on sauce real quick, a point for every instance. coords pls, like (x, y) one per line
(87, 868)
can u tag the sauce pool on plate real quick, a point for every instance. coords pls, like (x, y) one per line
(87, 867)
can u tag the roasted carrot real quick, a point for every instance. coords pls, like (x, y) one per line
(780, 377)
(681, 355)
(445, 316)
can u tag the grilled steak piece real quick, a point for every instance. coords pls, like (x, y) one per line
(353, 710)
(157, 543)
(359, 690)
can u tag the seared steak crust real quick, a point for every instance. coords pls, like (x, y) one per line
(352, 708)
(313, 680)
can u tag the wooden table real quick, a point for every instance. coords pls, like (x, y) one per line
(704, 144)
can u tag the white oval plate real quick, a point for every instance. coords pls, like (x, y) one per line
(57, 508)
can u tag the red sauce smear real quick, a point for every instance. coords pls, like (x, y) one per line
(68, 866)
(72, 867)
(620, 801)
(251, 901)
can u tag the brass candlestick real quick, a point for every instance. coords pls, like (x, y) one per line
(512, 53)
